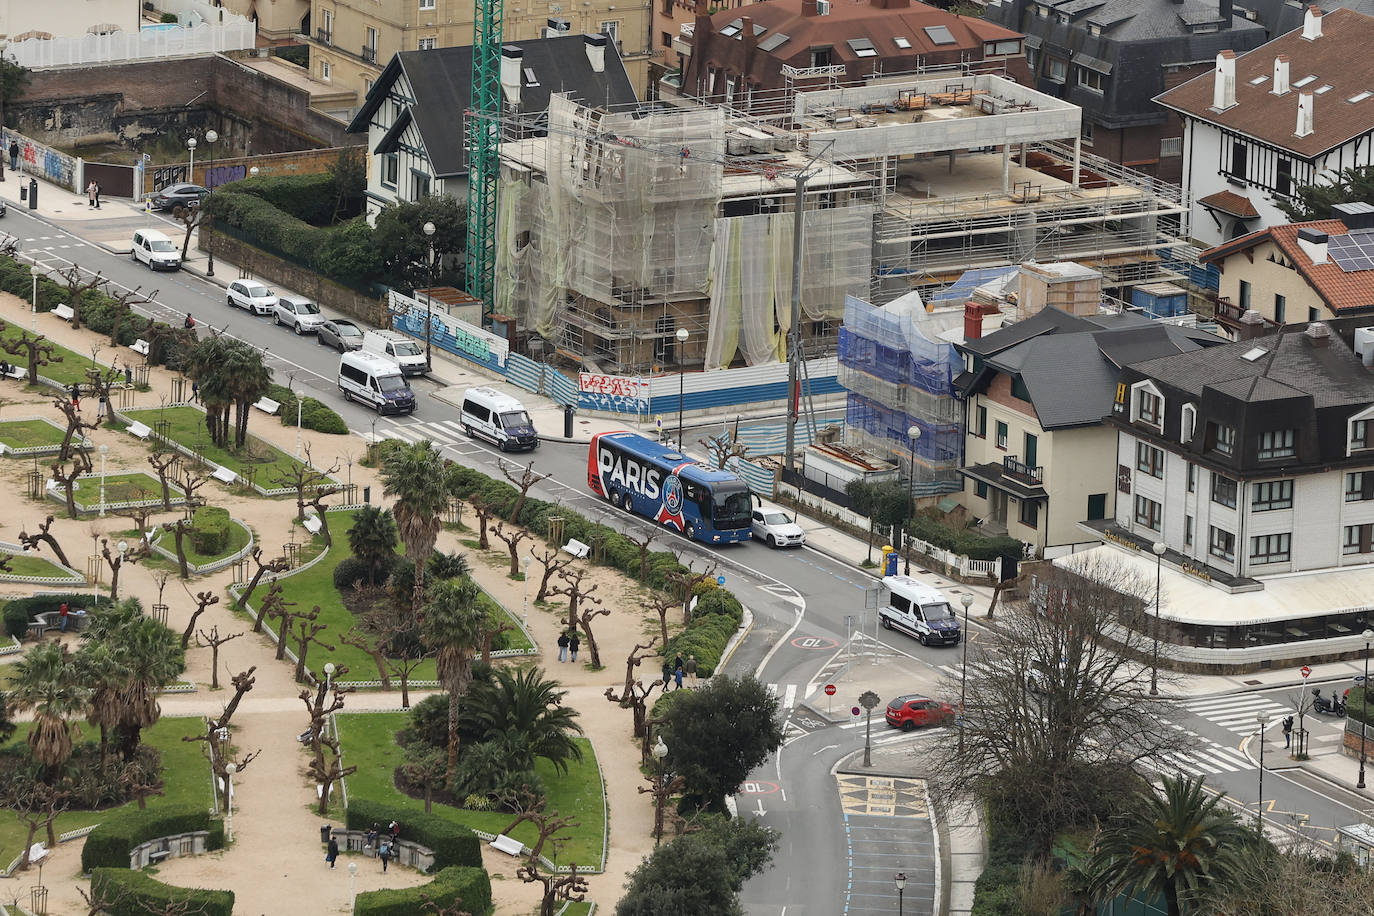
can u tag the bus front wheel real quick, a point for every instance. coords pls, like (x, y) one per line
(691, 532)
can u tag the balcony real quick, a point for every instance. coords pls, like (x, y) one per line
(369, 54)
(324, 36)
(1229, 314)
(1019, 470)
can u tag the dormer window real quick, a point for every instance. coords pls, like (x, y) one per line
(1187, 423)
(1278, 443)
(1147, 405)
(1359, 435)
(1221, 438)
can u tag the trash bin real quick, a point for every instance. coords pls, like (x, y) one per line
(326, 830)
(569, 411)
(367, 494)
(23, 190)
(33, 193)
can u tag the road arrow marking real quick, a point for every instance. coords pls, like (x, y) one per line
(761, 812)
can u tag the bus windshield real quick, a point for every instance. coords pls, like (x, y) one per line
(731, 506)
(515, 419)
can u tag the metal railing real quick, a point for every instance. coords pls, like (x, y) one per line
(1019, 470)
(324, 36)
(369, 54)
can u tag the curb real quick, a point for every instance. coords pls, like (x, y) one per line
(746, 627)
(1304, 767)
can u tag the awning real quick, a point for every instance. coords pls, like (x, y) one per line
(1230, 203)
(994, 476)
(1092, 63)
(1033, 41)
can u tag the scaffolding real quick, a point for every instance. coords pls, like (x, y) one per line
(895, 378)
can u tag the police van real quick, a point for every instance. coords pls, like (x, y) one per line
(376, 382)
(919, 610)
(498, 418)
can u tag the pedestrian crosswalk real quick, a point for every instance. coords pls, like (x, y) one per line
(1203, 758)
(441, 432)
(1238, 712)
(788, 692)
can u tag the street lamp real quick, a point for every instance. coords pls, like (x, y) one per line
(525, 607)
(967, 600)
(329, 670)
(33, 315)
(682, 335)
(229, 770)
(429, 297)
(104, 451)
(913, 434)
(1364, 704)
(659, 752)
(210, 138)
(253, 172)
(191, 145)
(1263, 720)
(901, 888)
(353, 882)
(1159, 549)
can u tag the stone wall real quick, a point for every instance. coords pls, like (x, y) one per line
(367, 309)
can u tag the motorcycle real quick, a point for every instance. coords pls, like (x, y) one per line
(1334, 706)
(4, 208)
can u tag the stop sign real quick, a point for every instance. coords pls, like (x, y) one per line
(1306, 671)
(830, 690)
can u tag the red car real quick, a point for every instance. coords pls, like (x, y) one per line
(915, 711)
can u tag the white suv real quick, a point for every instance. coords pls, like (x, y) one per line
(156, 250)
(298, 313)
(251, 295)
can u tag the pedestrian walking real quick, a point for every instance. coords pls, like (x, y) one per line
(98, 189)
(195, 391)
(667, 674)
(395, 831)
(691, 669)
(76, 396)
(563, 647)
(372, 839)
(90, 194)
(1288, 732)
(14, 155)
(384, 853)
(333, 852)
(62, 613)
(573, 644)
(100, 406)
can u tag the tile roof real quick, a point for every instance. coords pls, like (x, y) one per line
(1339, 58)
(1231, 203)
(1341, 290)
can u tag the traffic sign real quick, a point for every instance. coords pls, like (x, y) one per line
(1306, 671)
(830, 690)
(854, 711)
(720, 580)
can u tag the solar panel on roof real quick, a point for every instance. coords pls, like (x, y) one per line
(1251, 355)
(774, 41)
(940, 34)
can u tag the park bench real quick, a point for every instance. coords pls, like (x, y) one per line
(313, 524)
(140, 347)
(16, 372)
(268, 406)
(509, 845)
(224, 475)
(65, 312)
(139, 429)
(577, 548)
(156, 857)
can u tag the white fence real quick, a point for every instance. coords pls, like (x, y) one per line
(233, 34)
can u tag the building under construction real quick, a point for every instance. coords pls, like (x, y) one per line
(620, 228)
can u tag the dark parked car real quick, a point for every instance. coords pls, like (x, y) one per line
(178, 195)
(341, 334)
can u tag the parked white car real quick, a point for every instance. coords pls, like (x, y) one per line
(776, 529)
(248, 294)
(299, 314)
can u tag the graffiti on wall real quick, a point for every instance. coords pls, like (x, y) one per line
(52, 165)
(223, 174)
(168, 175)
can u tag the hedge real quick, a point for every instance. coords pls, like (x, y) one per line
(998, 889)
(20, 611)
(315, 414)
(967, 542)
(470, 887)
(135, 893)
(211, 530)
(110, 844)
(452, 844)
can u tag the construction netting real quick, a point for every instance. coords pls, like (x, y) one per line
(897, 377)
(610, 206)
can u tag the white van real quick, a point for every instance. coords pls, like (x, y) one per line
(156, 250)
(920, 611)
(498, 418)
(376, 381)
(397, 347)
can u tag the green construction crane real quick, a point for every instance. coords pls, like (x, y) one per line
(484, 140)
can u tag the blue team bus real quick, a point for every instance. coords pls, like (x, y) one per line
(657, 481)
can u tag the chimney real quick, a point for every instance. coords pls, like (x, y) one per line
(1304, 128)
(750, 43)
(596, 51)
(1224, 86)
(511, 60)
(974, 313)
(1225, 13)
(1251, 325)
(809, 8)
(1280, 86)
(1312, 23)
(1318, 334)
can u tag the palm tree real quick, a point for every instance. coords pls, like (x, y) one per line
(416, 475)
(151, 657)
(1181, 845)
(45, 681)
(372, 539)
(528, 709)
(249, 380)
(101, 673)
(204, 363)
(452, 627)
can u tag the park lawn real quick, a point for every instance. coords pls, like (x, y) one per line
(185, 772)
(30, 433)
(22, 565)
(368, 741)
(186, 425)
(135, 486)
(72, 369)
(238, 539)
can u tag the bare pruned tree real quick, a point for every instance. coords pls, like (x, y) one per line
(116, 560)
(214, 641)
(527, 479)
(164, 461)
(326, 764)
(77, 288)
(307, 632)
(554, 563)
(218, 747)
(203, 602)
(121, 307)
(557, 886)
(662, 605)
(687, 582)
(512, 538)
(722, 448)
(180, 529)
(35, 348)
(36, 804)
(1062, 702)
(308, 481)
(575, 591)
(191, 478)
(360, 640)
(276, 565)
(635, 693)
(277, 607)
(643, 544)
(44, 536)
(484, 511)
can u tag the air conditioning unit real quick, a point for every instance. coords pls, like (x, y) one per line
(823, 7)
(1364, 346)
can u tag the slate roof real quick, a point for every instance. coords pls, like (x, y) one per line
(1340, 58)
(1342, 290)
(1332, 375)
(440, 82)
(1069, 363)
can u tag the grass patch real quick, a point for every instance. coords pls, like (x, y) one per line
(21, 565)
(134, 486)
(72, 369)
(186, 425)
(184, 770)
(369, 742)
(30, 433)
